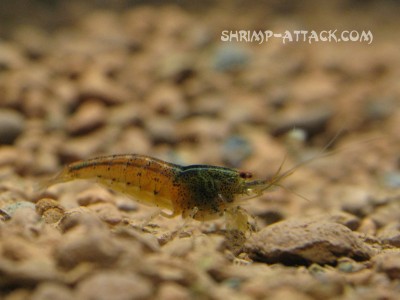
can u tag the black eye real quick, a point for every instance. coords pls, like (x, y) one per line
(245, 175)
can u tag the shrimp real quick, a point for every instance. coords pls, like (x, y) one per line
(202, 192)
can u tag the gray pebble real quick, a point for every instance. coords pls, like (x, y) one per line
(12, 124)
(230, 58)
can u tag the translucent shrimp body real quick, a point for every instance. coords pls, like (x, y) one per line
(202, 192)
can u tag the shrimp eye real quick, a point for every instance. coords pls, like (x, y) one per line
(245, 175)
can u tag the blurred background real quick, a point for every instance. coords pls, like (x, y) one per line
(86, 78)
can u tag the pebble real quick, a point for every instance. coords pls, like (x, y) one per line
(356, 201)
(162, 130)
(10, 56)
(12, 208)
(93, 84)
(132, 140)
(50, 210)
(167, 100)
(390, 234)
(105, 285)
(303, 242)
(107, 212)
(388, 262)
(81, 245)
(229, 58)
(173, 291)
(8, 155)
(12, 124)
(94, 195)
(82, 147)
(80, 216)
(179, 247)
(176, 67)
(350, 221)
(52, 291)
(89, 116)
(386, 214)
(235, 150)
(312, 121)
(202, 129)
(392, 179)
(367, 227)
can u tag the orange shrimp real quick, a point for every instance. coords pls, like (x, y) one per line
(202, 192)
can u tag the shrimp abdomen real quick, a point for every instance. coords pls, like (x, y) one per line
(148, 180)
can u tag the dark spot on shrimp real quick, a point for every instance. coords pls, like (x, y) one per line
(245, 175)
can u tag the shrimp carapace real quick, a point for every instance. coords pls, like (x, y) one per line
(202, 192)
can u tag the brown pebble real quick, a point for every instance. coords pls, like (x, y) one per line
(89, 116)
(350, 221)
(386, 214)
(94, 84)
(167, 100)
(53, 291)
(80, 216)
(107, 212)
(179, 247)
(367, 227)
(82, 245)
(388, 262)
(8, 155)
(50, 210)
(114, 285)
(173, 291)
(390, 234)
(82, 147)
(303, 242)
(94, 195)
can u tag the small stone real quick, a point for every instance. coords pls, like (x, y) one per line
(94, 195)
(392, 179)
(107, 285)
(80, 216)
(162, 130)
(386, 214)
(29, 271)
(356, 201)
(367, 227)
(94, 84)
(350, 221)
(389, 263)
(303, 242)
(229, 58)
(235, 150)
(12, 124)
(9, 155)
(89, 116)
(11, 209)
(10, 56)
(173, 291)
(82, 245)
(179, 247)
(107, 212)
(390, 234)
(50, 210)
(167, 100)
(52, 291)
(312, 121)
(81, 147)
